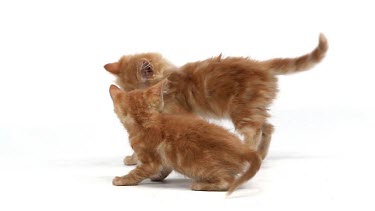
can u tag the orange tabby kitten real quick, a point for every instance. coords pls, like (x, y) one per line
(239, 88)
(205, 152)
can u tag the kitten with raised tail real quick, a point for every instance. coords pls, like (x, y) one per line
(215, 159)
(241, 89)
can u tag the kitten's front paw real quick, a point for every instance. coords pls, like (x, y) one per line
(118, 181)
(130, 160)
(122, 181)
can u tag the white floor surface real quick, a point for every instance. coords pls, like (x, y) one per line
(316, 162)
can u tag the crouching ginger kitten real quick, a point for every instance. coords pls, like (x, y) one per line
(207, 153)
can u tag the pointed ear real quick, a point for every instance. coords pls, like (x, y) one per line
(113, 68)
(114, 91)
(146, 69)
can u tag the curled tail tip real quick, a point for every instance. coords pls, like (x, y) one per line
(323, 42)
(283, 66)
(255, 162)
(322, 37)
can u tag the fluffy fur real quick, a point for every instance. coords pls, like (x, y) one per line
(205, 152)
(239, 88)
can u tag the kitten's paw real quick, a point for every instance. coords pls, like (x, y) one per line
(130, 160)
(118, 181)
(122, 181)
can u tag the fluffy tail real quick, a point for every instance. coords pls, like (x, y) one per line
(281, 66)
(255, 161)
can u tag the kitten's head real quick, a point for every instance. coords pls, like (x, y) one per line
(138, 105)
(139, 71)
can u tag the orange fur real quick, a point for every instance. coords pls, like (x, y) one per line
(207, 153)
(239, 88)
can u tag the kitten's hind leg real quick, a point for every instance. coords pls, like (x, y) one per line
(131, 160)
(161, 175)
(248, 121)
(252, 136)
(264, 145)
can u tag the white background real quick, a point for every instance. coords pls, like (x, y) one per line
(61, 144)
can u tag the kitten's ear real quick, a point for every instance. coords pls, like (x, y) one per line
(113, 68)
(146, 69)
(114, 91)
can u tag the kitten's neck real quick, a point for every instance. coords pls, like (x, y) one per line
(142, 130)
(171, 69)
(152, 122)
(148, 121)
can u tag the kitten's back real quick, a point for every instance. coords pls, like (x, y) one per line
(209, 87)
(198, 148)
